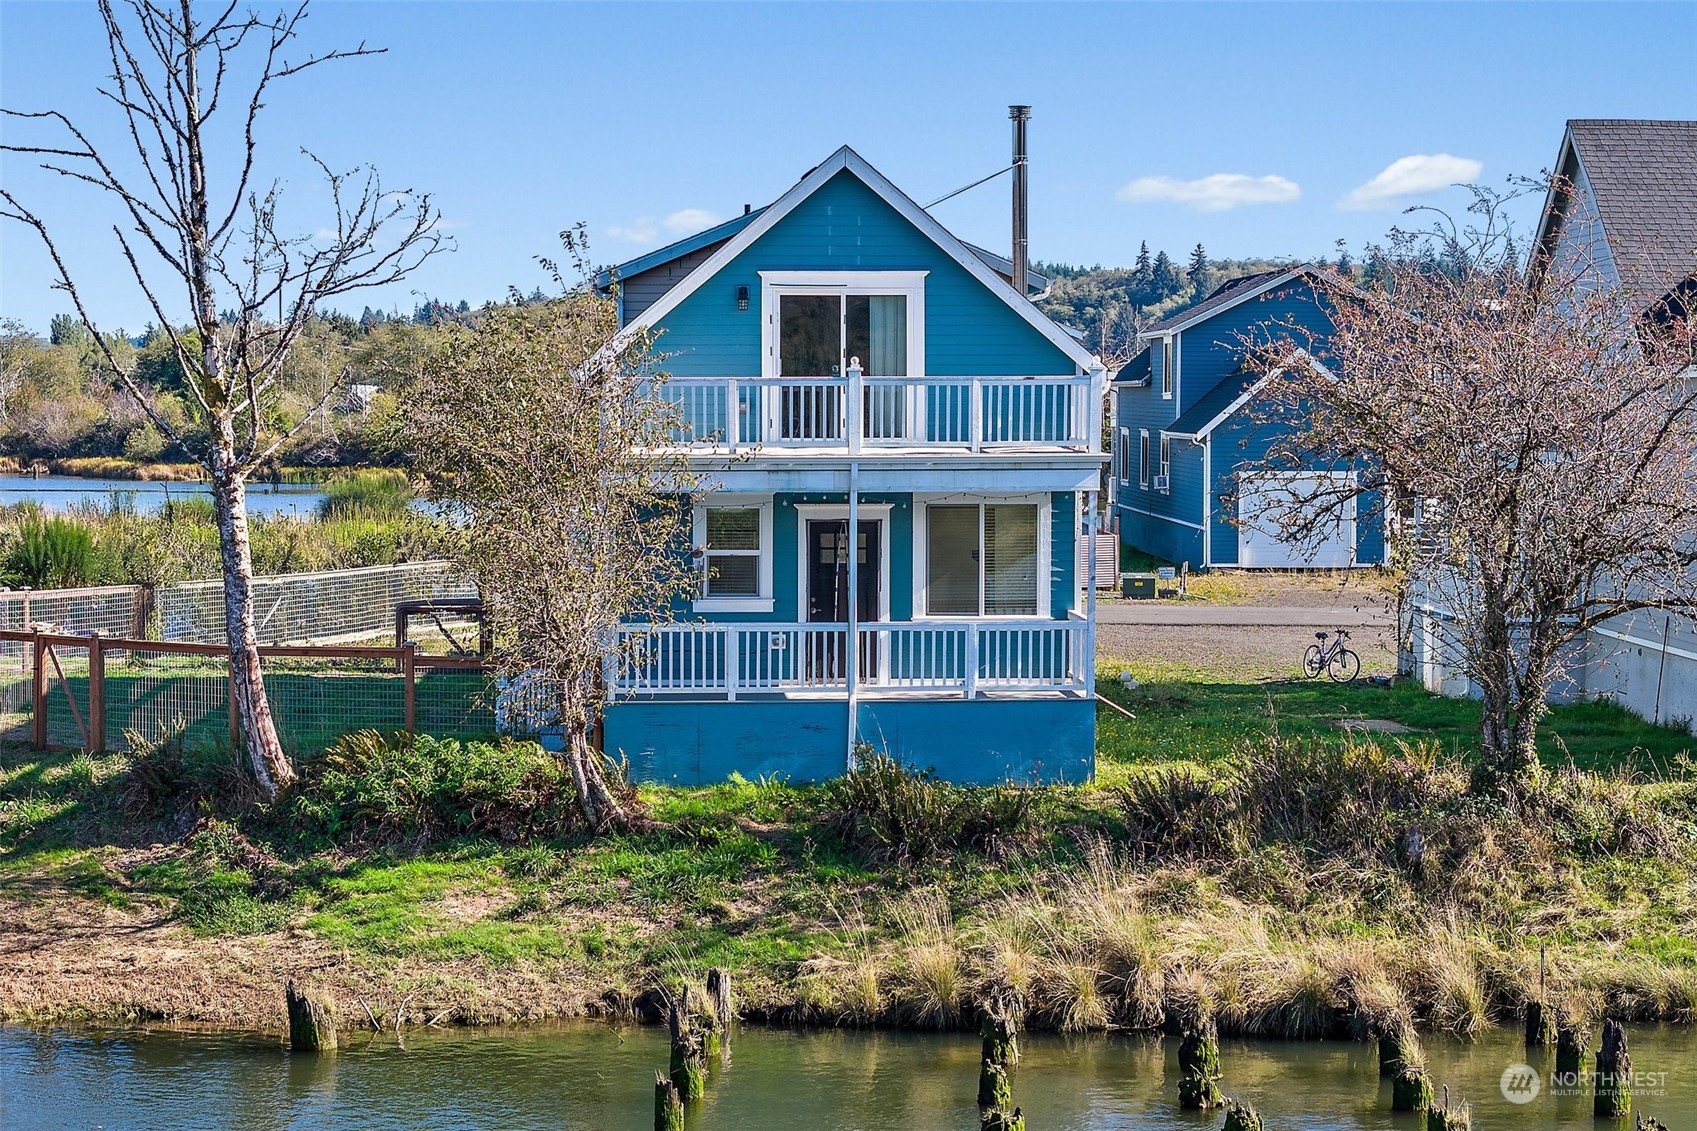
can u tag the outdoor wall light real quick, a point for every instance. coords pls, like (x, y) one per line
(742, 298)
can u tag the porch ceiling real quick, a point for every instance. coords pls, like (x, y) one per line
(990, 473)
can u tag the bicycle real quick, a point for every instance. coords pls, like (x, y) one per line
(1335, 659)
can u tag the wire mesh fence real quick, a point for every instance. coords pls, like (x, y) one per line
(339, 606)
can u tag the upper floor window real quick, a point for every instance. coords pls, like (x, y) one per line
(1124, 460)
(1143, 458)
(1167, 367)
(818, 322)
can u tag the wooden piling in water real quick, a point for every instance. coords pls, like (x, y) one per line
(1412, 1090)
(1614, 1073)
(995, 1090)
(1540, 1025)
(689, 1062)
(668, 1105)
(1571, 1042)
(718, 1041)
(1399, 1046)
(312, 1028)
(1001, 1036)
(1002, 1120)
(1199, 1063)
(1242, 1117)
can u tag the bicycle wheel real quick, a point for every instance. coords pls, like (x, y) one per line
(1344, 666)
(1313, 663)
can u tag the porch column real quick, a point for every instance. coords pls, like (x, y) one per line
(1089, 672)
(852, 645)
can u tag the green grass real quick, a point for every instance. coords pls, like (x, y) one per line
(754, 876)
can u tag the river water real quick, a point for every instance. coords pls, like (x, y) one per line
(589, 1075)
(61, 492)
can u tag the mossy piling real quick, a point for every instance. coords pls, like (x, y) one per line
(312, 1027)
(1571, 1042)
(689, 1061)
(1242, 1117)
(668, 1105)
(1412, 1090)
(1199, 1063)
(998, 1054)
(1614, 1073)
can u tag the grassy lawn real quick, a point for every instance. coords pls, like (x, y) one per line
(1193, 716)
(1104, 888)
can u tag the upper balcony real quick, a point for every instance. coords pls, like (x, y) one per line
(856, 414)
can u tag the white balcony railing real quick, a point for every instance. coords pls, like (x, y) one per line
(966, 658)
(857, 412)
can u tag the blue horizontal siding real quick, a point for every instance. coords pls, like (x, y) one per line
(844, 225)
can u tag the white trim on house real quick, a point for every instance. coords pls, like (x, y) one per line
(909, 284)
(825, 512)
(1045, 505)
(762, 603)
(1207, 444)
(846, 158)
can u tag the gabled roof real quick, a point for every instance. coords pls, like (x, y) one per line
(1003, 266)
(677, 249)
(1215, 406)
(846, 159)
(1225, 296)
(1137, 371)
(1643, 178)
(1221, 402)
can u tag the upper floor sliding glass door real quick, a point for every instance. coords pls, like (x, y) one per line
(818, 328)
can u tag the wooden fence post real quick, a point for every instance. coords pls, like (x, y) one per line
(409, 681)
(38, 686)
(96, 694)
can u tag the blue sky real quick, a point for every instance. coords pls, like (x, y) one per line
(1256, 129)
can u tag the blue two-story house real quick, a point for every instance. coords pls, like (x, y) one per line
(1188, 480)
(900, 449)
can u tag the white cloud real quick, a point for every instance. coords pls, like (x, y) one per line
(687, 221)
(1408, 176)
(1216, 192)
(646, 229)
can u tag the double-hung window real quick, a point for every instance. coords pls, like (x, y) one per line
(734, 542)
(1167, 372)
(1166, 457)
(1143, 458)
(1124, 460)
(982, 560)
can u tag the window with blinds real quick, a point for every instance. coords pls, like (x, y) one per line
(981, 560)
(732, 552)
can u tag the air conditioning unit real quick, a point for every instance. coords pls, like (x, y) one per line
(1163, 484)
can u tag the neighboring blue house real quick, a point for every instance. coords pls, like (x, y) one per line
(1185, 435)
(901, 447)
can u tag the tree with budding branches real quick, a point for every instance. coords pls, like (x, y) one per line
(1533, 449)
(193, 219)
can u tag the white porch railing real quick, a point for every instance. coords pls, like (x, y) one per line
(965, 658)
(857, 412)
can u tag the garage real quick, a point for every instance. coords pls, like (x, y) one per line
(1263, 501)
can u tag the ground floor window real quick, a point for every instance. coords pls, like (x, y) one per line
(733, 540)
(981, 559)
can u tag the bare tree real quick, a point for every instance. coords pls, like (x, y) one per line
(197, 220)
(1543, 441)
(548, 441)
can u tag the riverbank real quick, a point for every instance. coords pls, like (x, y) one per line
(1265, 863)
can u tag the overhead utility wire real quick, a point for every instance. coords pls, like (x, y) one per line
(963, 188)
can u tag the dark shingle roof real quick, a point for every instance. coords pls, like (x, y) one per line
(1643, 176)
(1136, 371)
(1226, 293)
(1213, 402)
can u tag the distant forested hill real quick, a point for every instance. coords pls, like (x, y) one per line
(1110, 305)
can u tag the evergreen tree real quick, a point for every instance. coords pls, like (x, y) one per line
(1142, 271)
(1198, 272)
(1346, 265)
(1166, 281)
(68, 330)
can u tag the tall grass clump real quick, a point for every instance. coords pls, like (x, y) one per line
(893, 812)
(50, 553)
(381, 493)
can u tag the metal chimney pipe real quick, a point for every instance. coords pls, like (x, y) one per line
(1021, 187)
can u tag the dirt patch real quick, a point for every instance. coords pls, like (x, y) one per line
(1374, 726)
(1361, 590)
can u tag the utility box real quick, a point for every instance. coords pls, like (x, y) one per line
(1138, 586)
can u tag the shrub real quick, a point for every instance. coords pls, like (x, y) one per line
(1179, 810)
(895, 812)
(389, 788)
(51, 553)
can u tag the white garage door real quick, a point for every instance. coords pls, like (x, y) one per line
(1263, 499)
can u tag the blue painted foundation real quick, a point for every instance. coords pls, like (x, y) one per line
(981, 742)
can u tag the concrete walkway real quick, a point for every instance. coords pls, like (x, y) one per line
(1181, 613)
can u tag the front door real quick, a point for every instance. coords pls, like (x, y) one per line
(828, 595)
